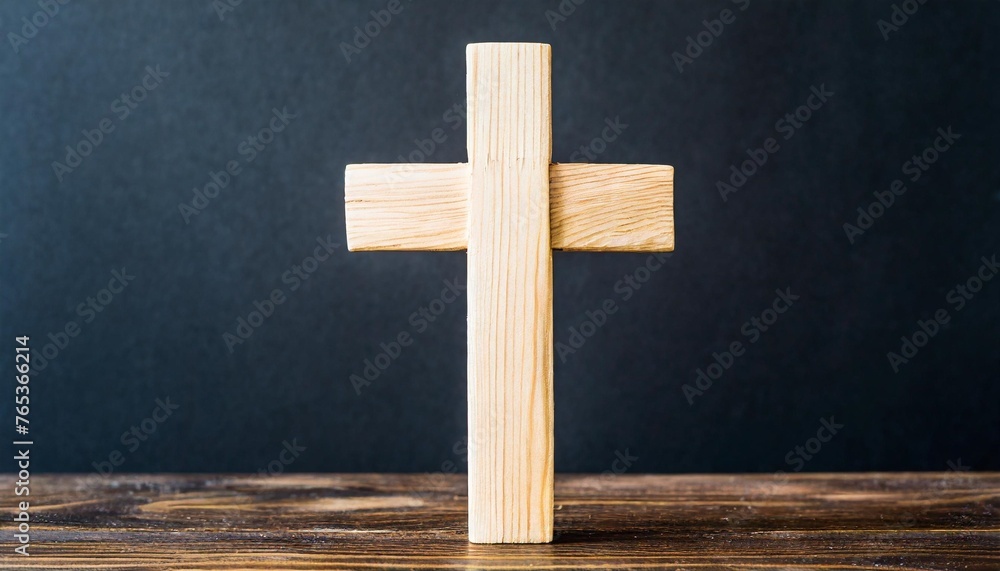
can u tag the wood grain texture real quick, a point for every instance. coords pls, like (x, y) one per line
(623, 208)
(868, 522)
(612, 208)
(406, 206)
(510, 294)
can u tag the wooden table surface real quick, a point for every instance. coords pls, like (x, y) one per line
(807, 521)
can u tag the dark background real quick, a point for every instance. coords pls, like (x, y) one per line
(162, 336)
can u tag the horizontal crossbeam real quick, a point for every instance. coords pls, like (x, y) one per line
(595, 207)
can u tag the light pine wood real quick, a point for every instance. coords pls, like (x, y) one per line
(510, 313)
(597, 207)
(612, 208)
(509, 207)
(406, 207)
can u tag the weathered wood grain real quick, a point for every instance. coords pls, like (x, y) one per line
(510, 300)
(808, 521)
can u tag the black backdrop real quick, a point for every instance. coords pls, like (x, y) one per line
(213, 78)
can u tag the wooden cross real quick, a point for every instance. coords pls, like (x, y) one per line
(509, 207)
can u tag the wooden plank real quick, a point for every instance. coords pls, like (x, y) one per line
(418, 521)
(596, 207)
(406, 206)
(510, 294)
(612, 208)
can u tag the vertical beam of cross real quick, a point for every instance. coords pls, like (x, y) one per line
(509, 207)
(510, 269)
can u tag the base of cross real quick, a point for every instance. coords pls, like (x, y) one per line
(509, 207)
